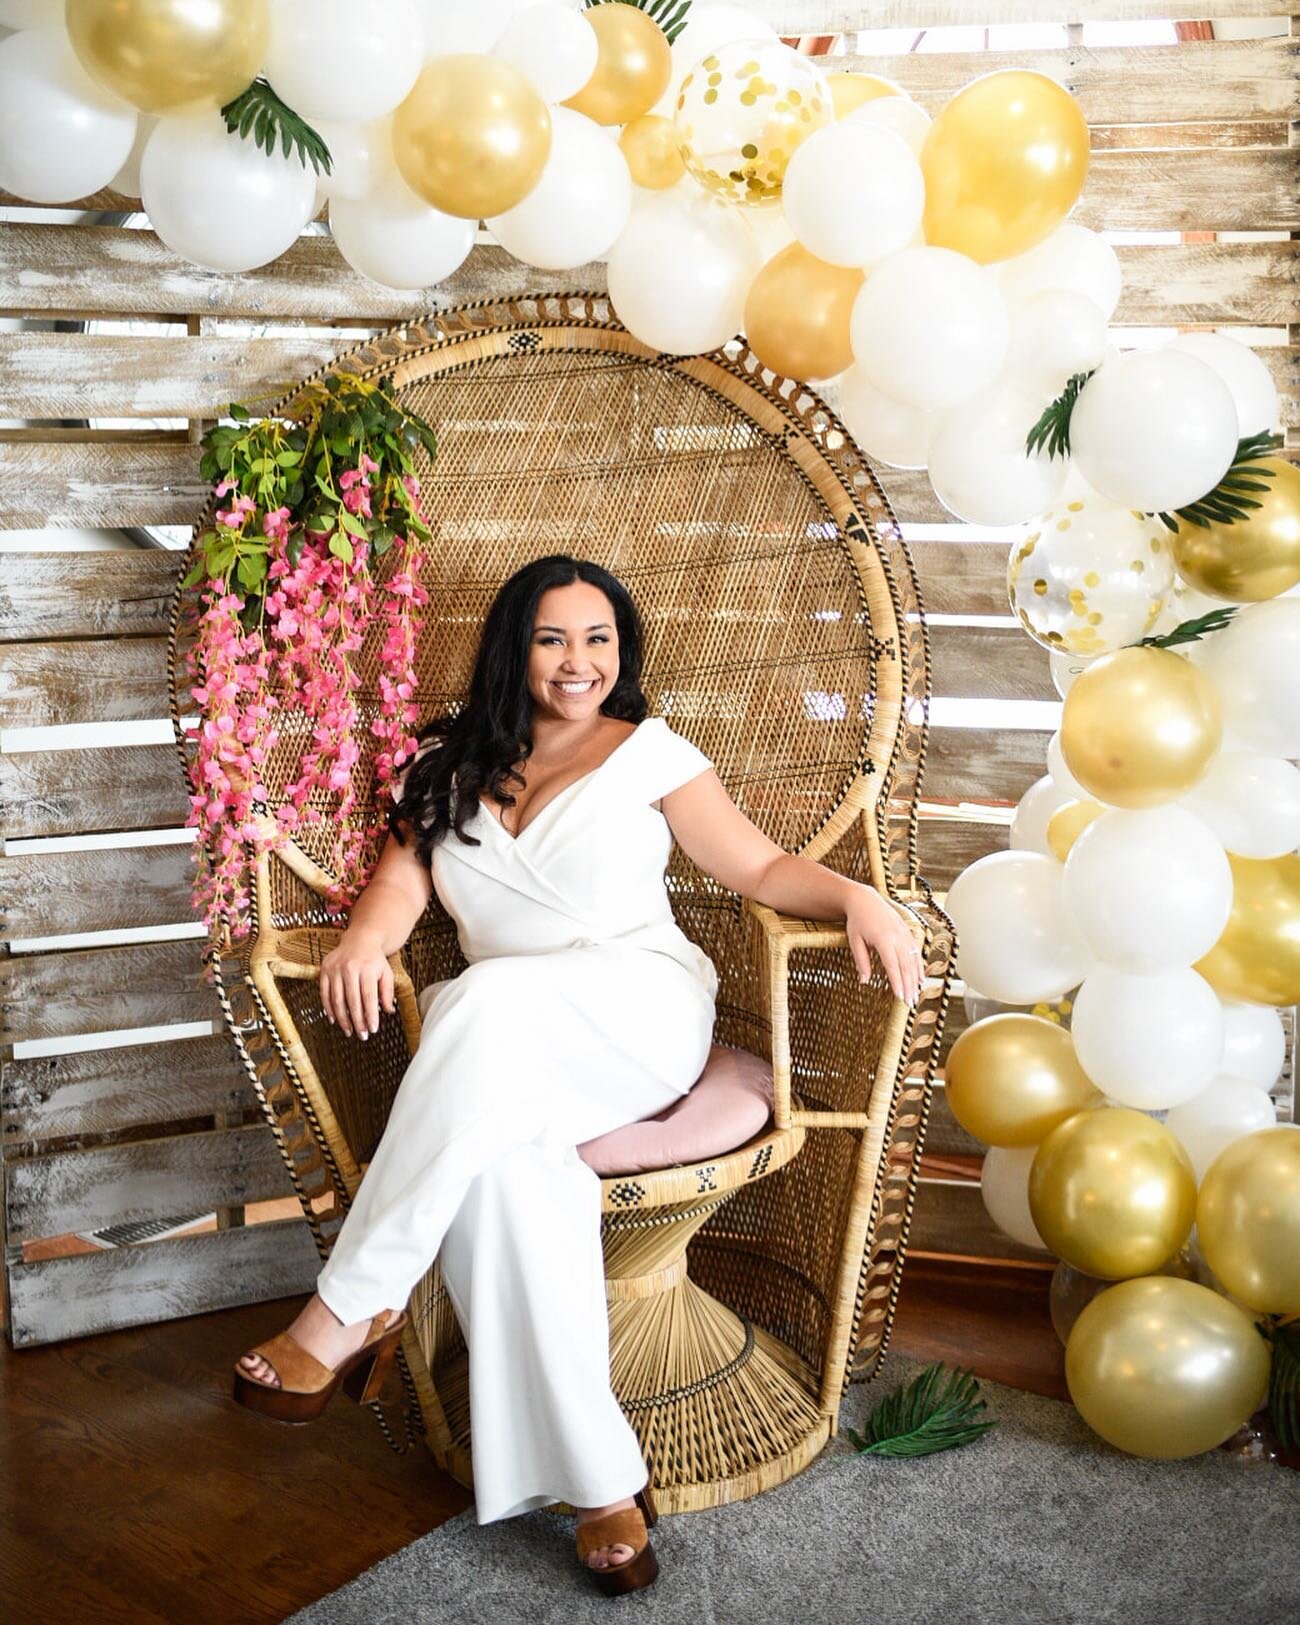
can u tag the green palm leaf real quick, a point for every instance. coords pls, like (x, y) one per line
(1284, 1386)
(1228, 502)
(1189, 631)
(259, 112)
(1053, 429)
(923, 1417)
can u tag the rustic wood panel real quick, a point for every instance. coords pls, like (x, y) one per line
(123, 592)
(108, 680)
(52, 893)
(90, 990)
(88, 271)
(92, 791)
(86, 1293)
(946, 846)
(983, 764)
(50, 1193)
(988, 663)
(96, 1092)
(950, 1218)
(1195, 81)
(790, 17)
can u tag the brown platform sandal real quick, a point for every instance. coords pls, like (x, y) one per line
(307, 1385)
(627, 1527)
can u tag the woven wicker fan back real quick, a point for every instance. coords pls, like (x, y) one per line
(777, 599)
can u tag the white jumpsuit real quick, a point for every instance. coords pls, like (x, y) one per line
(583, 1007)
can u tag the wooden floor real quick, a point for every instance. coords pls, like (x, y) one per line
(133, 1489)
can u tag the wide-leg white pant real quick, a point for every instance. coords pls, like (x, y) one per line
(521, 1059)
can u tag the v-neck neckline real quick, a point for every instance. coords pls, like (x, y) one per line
(559, 794)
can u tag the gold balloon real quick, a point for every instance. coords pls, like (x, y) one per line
(1068, 822)
(1140, 726)
(850, 91)
(740, 114)
(797, 314)
(1112, 1192)
(1164, 1368)
(649, 144)
(168, 56)
(472, 136)
(634, 63)
(1253, 558)
(1248, 1219)
(1257, 958)
(1010, 1079)
(1004, 162)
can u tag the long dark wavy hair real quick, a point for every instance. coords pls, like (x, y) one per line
(493, 730)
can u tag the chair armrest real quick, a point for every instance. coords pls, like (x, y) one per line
(780, 933)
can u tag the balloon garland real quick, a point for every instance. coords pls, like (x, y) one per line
(926, 274)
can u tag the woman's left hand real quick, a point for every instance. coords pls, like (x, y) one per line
(873, 921)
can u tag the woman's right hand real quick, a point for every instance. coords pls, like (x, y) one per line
(355, 979)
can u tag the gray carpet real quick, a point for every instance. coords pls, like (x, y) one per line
(1038, 1521)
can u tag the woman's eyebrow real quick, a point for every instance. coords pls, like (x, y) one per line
(596, 628)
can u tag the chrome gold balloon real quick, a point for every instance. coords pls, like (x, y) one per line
(634, 63)
(1140, 726)
(1248, 1219)
(797, 314)
(1011, 1079)
(472, 136)
(850, 91)
(170, 56)
(1253, 558)
(1164, 1368)
(1112, 1192)
(1257, 959)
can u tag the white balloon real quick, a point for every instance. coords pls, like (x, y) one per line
(853, 193)
(1251, 802)
(708, 27)
(554, 46)
(1033, 813)
(1254, 662)
(396, 238)
(679, 273)
(1061, 773)
(1054, 334)
(361, 156)
(897, 113)
(1065, 668)
(977, 460)
(347, 60)
(1071, 257)
(769, 226)
(219, 200)
(62, 135)
(580, 204)
(929, 326)
(1254, 1043)
(888, 431)
(1149, 1041)
(31, 13)
(1155, 429)
(127, 179)
(1223, 1111)
(1016, 941)
(1149, 890)
(1245, 374)
(460, 27)
(1004, 1185)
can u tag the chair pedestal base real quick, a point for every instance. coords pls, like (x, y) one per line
(722, 1409)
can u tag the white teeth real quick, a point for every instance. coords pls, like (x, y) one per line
(576, 688)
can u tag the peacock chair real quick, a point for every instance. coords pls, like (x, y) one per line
(784, 636)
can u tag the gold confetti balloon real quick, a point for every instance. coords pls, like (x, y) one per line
(1090, 576)
(741, 112)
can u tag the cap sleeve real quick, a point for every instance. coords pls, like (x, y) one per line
(673, 761)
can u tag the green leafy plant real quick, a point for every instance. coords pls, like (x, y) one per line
(669, 14)
(924, 1417)
(1213, 620)
(1284, 1383)
(296, 476)
(1228, 502)
(1053, 428)
(259, 112)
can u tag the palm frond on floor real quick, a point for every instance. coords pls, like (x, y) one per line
(924, 1417)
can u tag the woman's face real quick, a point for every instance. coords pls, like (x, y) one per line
(573, 659)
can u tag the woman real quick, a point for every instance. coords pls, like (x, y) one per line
(583, 1007)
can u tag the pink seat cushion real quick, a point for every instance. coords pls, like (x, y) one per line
(728, 1104)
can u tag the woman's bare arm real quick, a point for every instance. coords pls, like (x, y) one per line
(716, 835)
(355, 976)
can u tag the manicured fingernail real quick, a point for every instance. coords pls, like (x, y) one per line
(364, 1033)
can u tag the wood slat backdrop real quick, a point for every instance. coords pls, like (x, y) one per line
(1194, 138)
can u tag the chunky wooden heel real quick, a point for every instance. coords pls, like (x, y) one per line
(306, 1385)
